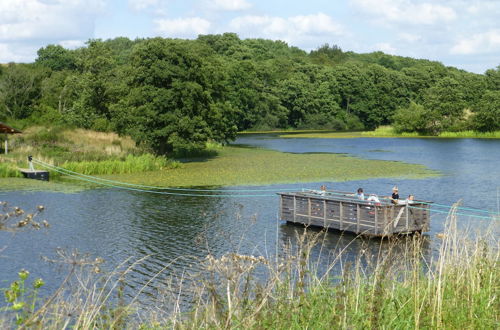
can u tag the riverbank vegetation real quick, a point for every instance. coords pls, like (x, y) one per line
(84, 151)
(117, 158)
(402, 286)
(238, 165)
(388, 131)
(172, 95)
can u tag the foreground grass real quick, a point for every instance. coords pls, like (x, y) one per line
(251, 166)
(387, 131)
(401, 288)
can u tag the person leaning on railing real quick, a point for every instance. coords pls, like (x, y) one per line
(395, 195)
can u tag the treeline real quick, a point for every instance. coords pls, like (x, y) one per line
(172, 94)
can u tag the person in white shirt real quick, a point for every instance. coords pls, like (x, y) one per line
(360, 195)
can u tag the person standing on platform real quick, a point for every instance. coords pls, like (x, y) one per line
(30, 162)
(395, 195)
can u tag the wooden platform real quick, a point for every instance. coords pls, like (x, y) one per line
(37, 174)
(341, 211)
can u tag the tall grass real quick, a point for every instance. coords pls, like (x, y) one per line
(400, 288)
(131, 164)
(388, 131)
(471, 134)
(459, 288)
(9, 170)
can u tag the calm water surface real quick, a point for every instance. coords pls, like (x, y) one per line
(180, 231)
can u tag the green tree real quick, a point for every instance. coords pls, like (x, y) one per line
(96, 85)
(493, 79)
(447, 100)
(415, 118)
(174, 101)
(328, 55)
(487, 116)
(20, 90)
(56, 58)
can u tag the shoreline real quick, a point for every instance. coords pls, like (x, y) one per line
(242, 166)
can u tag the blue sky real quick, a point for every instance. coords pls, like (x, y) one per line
(460, 33)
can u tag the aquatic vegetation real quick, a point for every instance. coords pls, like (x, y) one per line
(235, 165)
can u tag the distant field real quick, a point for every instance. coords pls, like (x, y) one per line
(387, 131)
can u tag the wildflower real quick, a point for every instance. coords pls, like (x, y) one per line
(38, 283)
(23, 274)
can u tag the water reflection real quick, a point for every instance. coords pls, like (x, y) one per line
(176, 233)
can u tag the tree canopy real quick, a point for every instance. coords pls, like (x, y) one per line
(174, 95)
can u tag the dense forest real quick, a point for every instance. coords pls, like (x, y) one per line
(172, 94)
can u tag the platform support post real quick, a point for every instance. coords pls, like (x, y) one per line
(358, 215)
(324, 213)
(341, 215)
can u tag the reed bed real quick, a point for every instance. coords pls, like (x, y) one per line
(8, 170)
(131, 164)
(402, 287)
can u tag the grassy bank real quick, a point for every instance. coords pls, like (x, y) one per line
(79, 150)
(387, 131)
(289, 130)
(252, 166)
(400, 288)
(117, 158)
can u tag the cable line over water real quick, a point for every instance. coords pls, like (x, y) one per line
(236, 193)
(46, 165)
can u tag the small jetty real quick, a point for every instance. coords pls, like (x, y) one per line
(35, 174)
(342, 211)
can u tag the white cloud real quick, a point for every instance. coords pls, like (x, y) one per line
(230, 5)
(182, 27)
(139, 5)
(47, 20)
(385, 47)
(16, 52)
(479, 43)
(72, 44)
(296, 29)
(409, 37)
(407, 11)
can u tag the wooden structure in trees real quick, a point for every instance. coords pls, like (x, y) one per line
(5, 129)
(342, 211)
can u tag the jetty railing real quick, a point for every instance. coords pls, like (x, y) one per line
(341, 211)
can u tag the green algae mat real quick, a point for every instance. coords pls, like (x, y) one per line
(233, 166)
(252, 166)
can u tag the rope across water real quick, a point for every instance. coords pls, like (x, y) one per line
(237, 193)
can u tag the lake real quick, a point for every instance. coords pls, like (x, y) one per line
(176, 232)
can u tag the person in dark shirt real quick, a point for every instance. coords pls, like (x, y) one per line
(395, 195)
